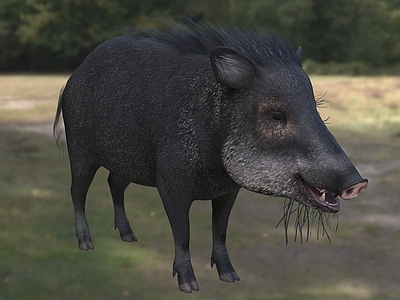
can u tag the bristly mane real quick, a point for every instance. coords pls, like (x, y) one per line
(202, 38)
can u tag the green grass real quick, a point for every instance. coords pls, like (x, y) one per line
(39, 258)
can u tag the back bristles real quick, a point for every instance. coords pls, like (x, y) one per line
(202, 37)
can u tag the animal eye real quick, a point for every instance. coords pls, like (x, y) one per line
(277, 116)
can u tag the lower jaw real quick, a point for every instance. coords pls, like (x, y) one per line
(325, 207)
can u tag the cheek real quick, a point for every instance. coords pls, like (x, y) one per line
(272, 131)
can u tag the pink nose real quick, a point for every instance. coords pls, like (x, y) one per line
(355, 190)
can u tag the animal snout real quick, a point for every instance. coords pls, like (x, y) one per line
(355, 190)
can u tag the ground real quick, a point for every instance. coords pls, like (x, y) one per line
(39, 258)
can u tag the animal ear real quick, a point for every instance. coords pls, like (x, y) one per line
(231, 68)
(299, 54)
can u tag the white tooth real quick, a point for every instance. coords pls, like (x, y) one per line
(322, 198)
(323, 191)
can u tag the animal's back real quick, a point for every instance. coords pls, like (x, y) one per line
(122, 103)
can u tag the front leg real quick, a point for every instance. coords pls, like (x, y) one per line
(222, 207)
(177, 209)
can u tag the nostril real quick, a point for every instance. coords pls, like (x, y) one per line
(355, 190)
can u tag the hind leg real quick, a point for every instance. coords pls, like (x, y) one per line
(117, 189)
(82, 177)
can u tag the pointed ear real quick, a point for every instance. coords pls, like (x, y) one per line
(231, 68)
(299, 54)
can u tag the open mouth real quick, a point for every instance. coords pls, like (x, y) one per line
(323, 198)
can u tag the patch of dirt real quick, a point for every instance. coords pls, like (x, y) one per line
(9, 103)
(17, 105)
(41, 128)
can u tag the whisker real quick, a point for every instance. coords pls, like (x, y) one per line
(288, 215)
(308, 223)
(286, 204)
(304, 220)
(326, 120)
(321, 101)
(286, 208)
(323, 217)
(299, 222)
(335, 216)
(287, 211)
(287, 218)
(284, 213)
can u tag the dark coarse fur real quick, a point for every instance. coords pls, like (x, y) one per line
(200, 112)
(204, 37)
(260, 48)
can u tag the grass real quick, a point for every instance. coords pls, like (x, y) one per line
(361, 104)
(39, 258)
(29, 98)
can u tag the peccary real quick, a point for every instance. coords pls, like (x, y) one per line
(199, 112)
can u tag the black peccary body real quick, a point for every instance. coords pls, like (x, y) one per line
(199, 113)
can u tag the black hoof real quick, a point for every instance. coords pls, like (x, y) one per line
(86, 246)
(229, 277)
(186, 280)
(129, 238)
(189, 287)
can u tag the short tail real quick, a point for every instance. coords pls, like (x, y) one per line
(58, 126)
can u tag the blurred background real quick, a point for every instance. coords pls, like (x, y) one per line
(55, 35)
(351, 51)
